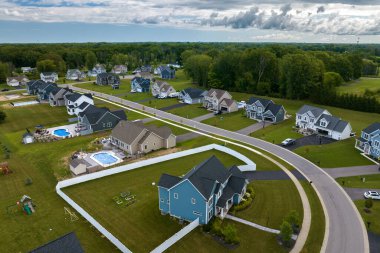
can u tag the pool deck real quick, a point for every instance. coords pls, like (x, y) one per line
(70, 128)
(93, 162)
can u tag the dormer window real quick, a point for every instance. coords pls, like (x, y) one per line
(323, 123)
(365, 136)
(260, 109)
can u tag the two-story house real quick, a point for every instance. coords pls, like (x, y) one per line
(162, 89)
(108, 79)
(165, 72)
(192, 95)
(219, 100)
(207, 190)
(44, 90)
(320, 121)
(97, 69)
(15, 81)
(119, 69)
(49, 77)
(32, 86)
(139, 84)
(75, 74)
(77, 103)
(95, 119)
(369, 141)
(137, 138)
(57, 96)
(264, 110)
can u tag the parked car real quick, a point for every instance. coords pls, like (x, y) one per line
(5, 90)
(217, 112)
(372, 195)
(288, 142)
(241, 104)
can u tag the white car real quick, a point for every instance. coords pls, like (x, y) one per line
(288, 142)
(372, 195)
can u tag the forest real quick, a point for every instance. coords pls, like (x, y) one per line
(293, 71)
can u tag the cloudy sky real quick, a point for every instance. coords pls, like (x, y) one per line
(338, 21)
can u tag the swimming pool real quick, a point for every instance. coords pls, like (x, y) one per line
(105, 158)
(61, 132)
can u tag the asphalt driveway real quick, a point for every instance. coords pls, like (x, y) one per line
(313, 139)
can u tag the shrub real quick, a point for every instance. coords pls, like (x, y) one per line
(28, 181)
(230, 234)
(243, 204)
(216, 227)
(368, 203)
(293, 218)
(2, 116)
(286, 232)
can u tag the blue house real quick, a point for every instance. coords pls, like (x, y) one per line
(139, 84)
(369, 141)
(165, 72)
(265, 110)
(208, 190)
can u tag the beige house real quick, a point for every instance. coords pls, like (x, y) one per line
(137, 138)
(219, 100)
(162, 89)
(17, 81)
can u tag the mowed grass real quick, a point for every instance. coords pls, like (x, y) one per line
(125, 87)
(189, 111)
(358, 87)
(373, 217)
(141, 226)
(230, 121)
(131, 115)
(266, 199)
(43, 163)
(317, 229)
(337, 154)
(371, 181)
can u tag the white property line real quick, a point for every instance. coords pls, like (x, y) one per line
(128, 167)
(176, 237)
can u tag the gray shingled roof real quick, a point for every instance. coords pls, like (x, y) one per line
(263, 101)
(334, 123)
(68, 243)
(372, 128)
(274, 108)
(316, 111)
(193, 92)
(75, 96)
(168, 181)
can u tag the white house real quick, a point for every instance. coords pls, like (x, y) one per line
(17, 81)
(77, 103)
(97, 69)
(119, 69)
(27, 69)
(51, 77)
(321, 121)
(75, 74)
(162, 89)
(192, 95)
(219, 100)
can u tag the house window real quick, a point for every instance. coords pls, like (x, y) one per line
(209, 214)
(299, 116)
(305, 118)
(168, 202)
(311, 120)
(210, 202)
(197, 213)
(365, 136)
(176, 195)
(376, 144)
(146, 147)
(162, 200)
(109, 124)
(193, 201)
(260, 109)
(323, 123)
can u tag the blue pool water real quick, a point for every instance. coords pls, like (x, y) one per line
(61, 132)
(105, 158)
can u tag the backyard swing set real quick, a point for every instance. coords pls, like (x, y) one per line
(25, 205)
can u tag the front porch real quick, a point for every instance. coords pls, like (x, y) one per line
(223, 211)
(363, 146)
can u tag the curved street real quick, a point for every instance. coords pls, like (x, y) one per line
(345, 230)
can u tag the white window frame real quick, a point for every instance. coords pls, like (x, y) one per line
(197, 213)
(175, 195)
(193, 201)
(162, 200)
(376, 144)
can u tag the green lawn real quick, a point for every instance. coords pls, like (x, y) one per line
(373, 217)
(271, 204)
(124, 87)
(371, 181)
(317, 229)
(160, 103)
(231, 121)
(359, 86)
(277, 133)
(190, 111)
(337, 154)
(180, 81)
(43, 163)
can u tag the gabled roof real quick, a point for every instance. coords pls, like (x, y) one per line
(334, 123)
(106, 75)
(144, 83)
(64, 244)
(194, 92)
(75, 96)
(205, 175)
(168, 181)
(94, 113)
(316, 111)
(273, 108)
(263, 101)
(228, 101)
(55, 90)
(372, 128)
(218, 93)
(18, 78)
(48, 73)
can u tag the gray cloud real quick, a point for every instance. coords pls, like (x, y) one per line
(321, 9)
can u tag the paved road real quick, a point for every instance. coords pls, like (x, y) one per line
(357, 193)
(253, 128)
(346, 231)
(353, 171)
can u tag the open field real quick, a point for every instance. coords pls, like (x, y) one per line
(147, 228)
(337, 154)
(371, 181)
(373, 217)
(190, 111)
(360, 86)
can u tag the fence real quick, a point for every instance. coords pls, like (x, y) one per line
(128, 167)
(176, 237)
